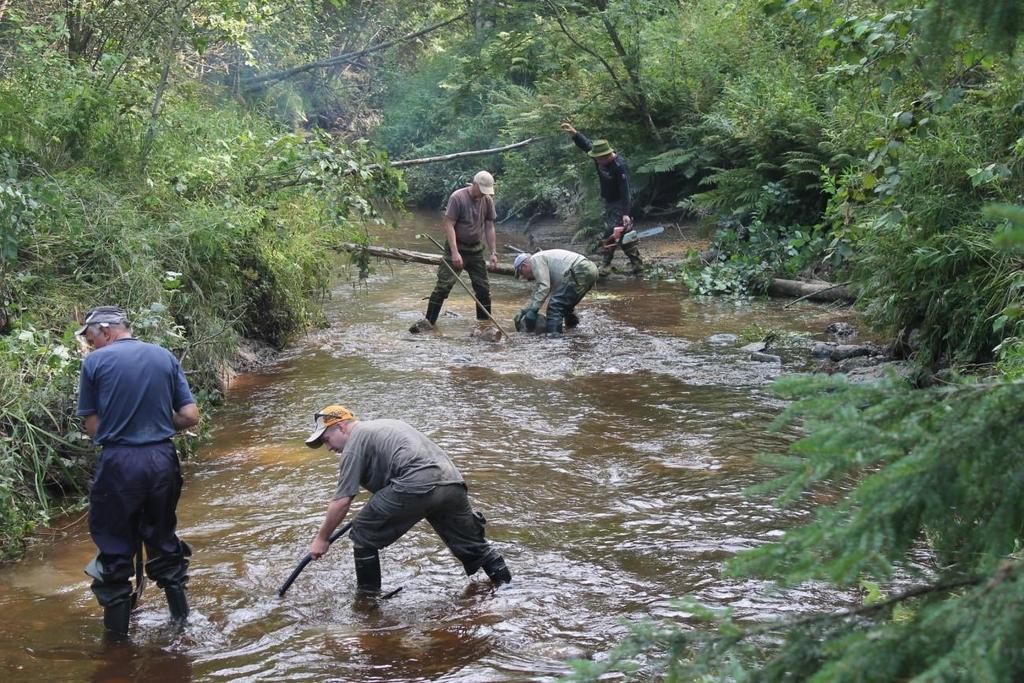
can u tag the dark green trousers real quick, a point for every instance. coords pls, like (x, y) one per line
(474, 261)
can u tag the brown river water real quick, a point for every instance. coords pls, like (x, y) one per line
(610, 464)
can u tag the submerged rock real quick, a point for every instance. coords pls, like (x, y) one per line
(841, 330)
(844, 351)
(420, 326)
(755, 347)
(765, 357)
(490, 333)
(723, 339)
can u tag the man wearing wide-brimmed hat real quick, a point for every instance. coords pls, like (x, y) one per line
(613, 174)
(411, 479)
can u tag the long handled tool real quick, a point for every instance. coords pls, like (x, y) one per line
(466, 287)
(307, 559)
(140, 574)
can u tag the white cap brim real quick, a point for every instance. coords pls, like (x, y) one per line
(314, 439)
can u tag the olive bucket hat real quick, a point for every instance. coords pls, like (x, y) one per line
(601, 148)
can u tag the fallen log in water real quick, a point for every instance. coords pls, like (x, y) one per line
(412, 256)
(816, 291)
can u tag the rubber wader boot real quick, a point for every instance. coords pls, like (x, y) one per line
(497, 572)
(115, 619)
(367, 563)
(177, 602)
(571, 320)
(633, 254)
(429, 320)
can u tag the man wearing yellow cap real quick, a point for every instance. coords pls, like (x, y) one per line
(411, 479)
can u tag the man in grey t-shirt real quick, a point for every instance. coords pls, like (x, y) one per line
(469, 237)
(411, 479)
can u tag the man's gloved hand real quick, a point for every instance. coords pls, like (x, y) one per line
(526, 319)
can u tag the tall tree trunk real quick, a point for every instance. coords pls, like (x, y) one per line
(79, 30)
(631, 63)
(482, 15)
(154, 111)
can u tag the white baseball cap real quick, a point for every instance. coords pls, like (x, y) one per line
(485, 182)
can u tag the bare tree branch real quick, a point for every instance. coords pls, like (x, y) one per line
(260, 82)
(461, 155)
(592, 53)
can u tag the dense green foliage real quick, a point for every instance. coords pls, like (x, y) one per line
(206, 220)
(191, 161)
(827, 138)
(942, 466)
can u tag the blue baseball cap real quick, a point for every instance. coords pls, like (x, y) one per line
(103, 315)
(518, 263)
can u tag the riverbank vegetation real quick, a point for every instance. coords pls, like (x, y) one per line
(125, 178)
(191, 159)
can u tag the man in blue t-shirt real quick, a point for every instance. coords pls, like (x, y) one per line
(134, 397)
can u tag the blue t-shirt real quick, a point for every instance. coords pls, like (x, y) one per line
(134, 388)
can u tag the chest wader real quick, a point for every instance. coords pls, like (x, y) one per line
(576, 282)
(613, 219)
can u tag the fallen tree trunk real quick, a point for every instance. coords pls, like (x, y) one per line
(412, 256)
(815, 291)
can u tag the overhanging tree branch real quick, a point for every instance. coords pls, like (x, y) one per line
(300, 179)
(462, 155)
(260, 82)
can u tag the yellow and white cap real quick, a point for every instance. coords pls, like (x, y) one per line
(326, 418)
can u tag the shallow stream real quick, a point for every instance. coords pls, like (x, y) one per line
(610, 464)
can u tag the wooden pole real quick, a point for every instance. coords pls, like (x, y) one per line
(466, 287)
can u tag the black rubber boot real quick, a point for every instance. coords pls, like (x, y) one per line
(367, 563)
(427, 323)
(497, 572)
(116, 618)
(177, 603)
(571, 320)
(433, 311)
(484, 297)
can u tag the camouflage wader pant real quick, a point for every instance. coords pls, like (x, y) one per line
(612, 219)
(576, 282)
(474, 261)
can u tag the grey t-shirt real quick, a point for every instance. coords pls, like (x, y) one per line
(469, 215)
(382, 452)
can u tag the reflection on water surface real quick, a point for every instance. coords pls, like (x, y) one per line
(610, 464)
